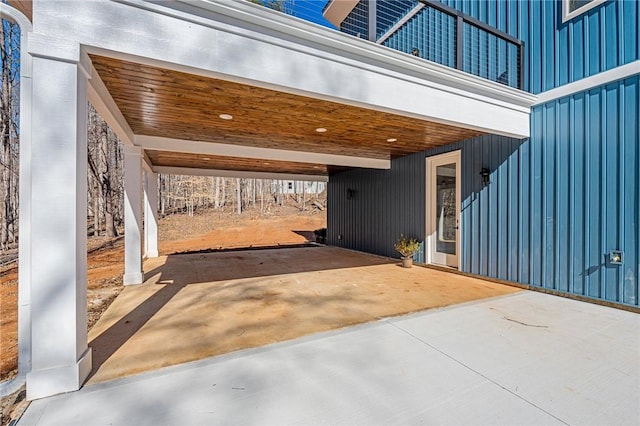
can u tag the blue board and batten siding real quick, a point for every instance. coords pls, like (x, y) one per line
(555, 206)
(558, 202)
(368, 208)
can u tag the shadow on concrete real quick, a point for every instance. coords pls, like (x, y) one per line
(234, 264)
(309, 235)
(240, 270)
(108, 342)
(250, 248)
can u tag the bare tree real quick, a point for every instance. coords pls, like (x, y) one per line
(192, 193)
(9, 132)
(105, 162)
(285, 6)
(239, 195)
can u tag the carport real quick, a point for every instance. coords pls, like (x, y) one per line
(205, 88)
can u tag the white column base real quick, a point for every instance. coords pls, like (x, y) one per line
(133, 278)
(52, 381)
(152, 253)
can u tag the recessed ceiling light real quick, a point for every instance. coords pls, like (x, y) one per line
(392, 140)
(266, 164)
(321, 130)
(316, 167)
(226, 116)
(206, 158)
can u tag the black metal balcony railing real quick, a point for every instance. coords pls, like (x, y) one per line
(431, 30)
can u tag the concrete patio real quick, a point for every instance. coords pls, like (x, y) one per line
(194, 306)
(523, 358)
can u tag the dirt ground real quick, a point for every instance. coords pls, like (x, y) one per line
(177, 233)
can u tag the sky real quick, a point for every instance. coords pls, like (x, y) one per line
(311, 10)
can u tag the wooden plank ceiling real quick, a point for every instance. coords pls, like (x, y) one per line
(166, 103)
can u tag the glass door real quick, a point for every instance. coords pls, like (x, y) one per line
(443, 208)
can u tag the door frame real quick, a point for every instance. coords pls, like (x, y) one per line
(430, 199)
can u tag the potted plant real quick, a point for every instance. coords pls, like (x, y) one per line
(407, 247)
(321, 235)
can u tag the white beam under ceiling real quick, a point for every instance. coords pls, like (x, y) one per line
(210, 148)
(239, 174)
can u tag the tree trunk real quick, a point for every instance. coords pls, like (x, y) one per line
(217, 196)
(110, 225)
(96, 210)
(224, 192)
(239, 197)
(261, 195)
(303, 196)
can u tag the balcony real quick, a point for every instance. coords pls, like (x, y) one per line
(432, 31)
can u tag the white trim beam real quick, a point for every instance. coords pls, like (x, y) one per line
(567, 16)
(104, 104)
(238, 174)
(209, 148)
(147, 165)
(587, 83)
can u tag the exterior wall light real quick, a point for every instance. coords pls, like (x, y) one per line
(485, 173)
(351, 193)
(616, 257)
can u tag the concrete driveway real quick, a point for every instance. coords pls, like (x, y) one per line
(523, 358)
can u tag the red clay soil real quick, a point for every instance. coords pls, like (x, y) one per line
(177, 233)
(8, 321)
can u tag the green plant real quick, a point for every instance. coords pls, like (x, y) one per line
(407, 246)
(321, 233)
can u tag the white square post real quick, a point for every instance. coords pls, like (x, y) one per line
(151, 214)
(57, 224)
(133, 273)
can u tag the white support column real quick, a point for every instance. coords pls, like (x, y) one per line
(150, 214)
(61, 359)
(133, 273)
